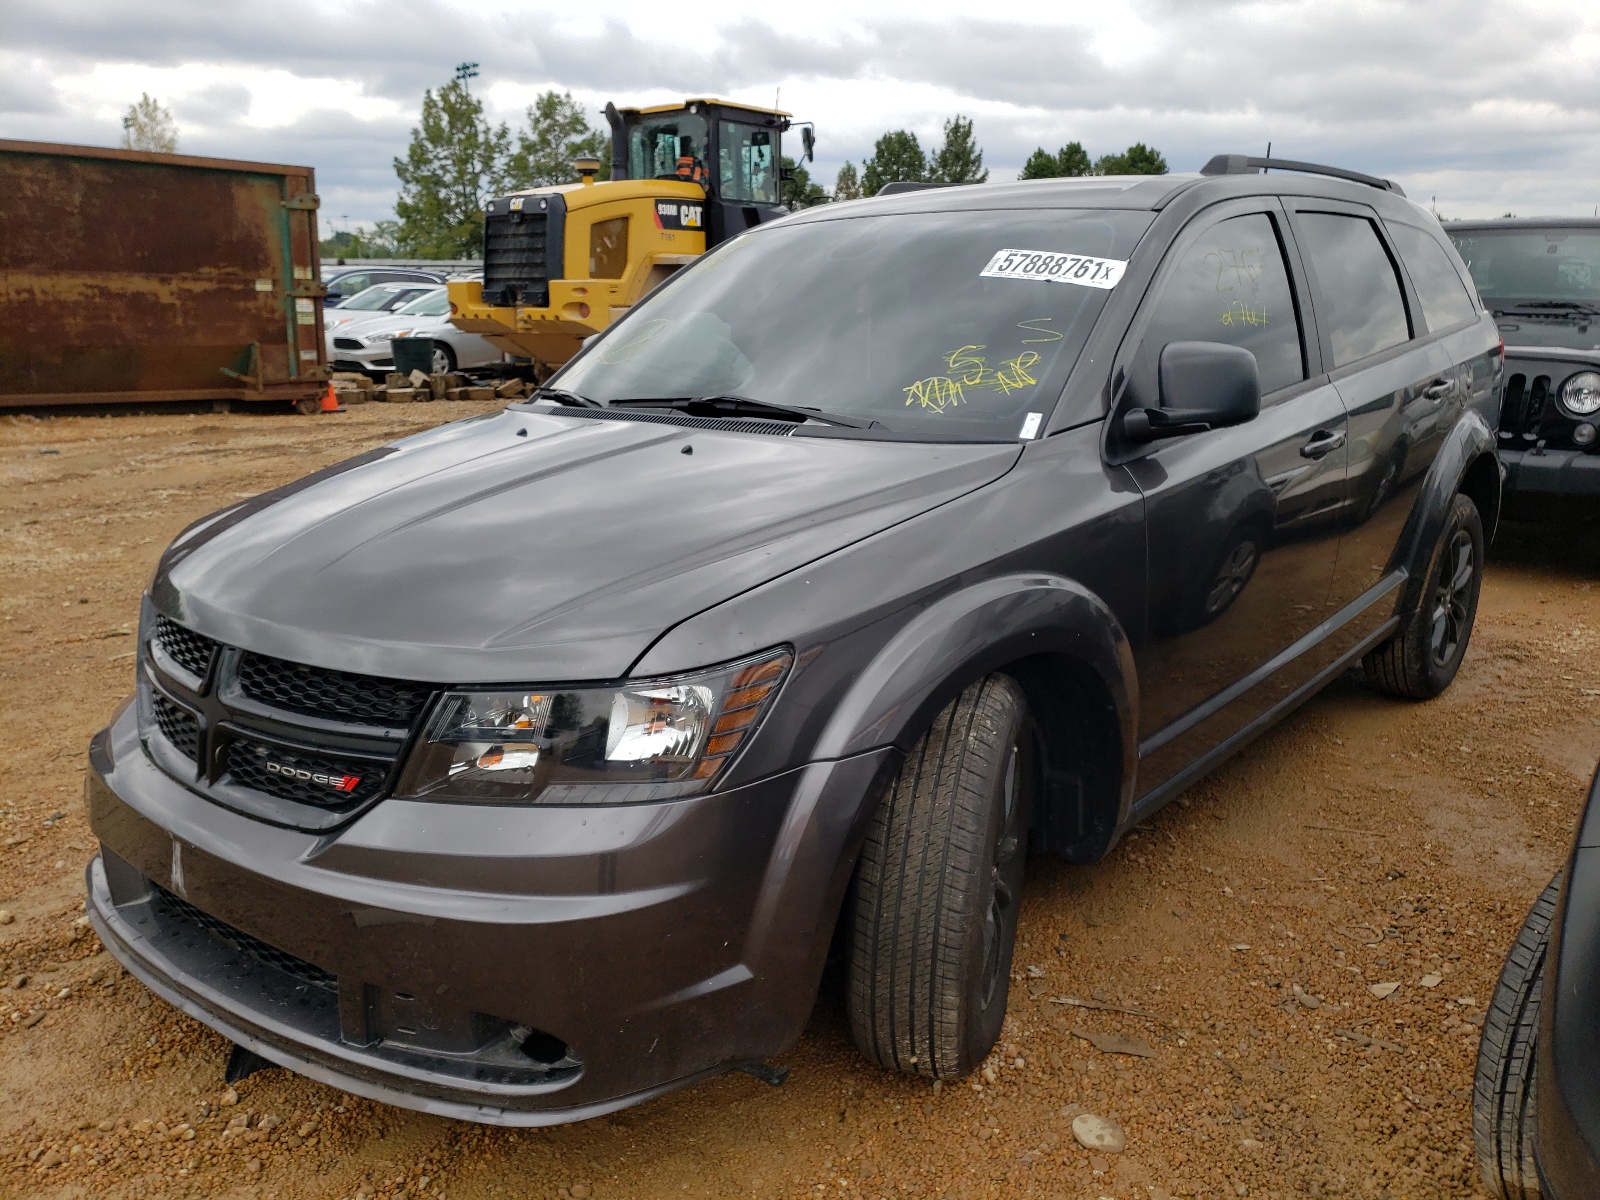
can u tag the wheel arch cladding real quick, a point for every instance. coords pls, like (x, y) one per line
(1465, 464)
(1074, 663)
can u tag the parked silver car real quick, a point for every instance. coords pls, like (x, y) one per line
(363, 344)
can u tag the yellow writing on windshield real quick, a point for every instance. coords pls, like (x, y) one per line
(968, 370)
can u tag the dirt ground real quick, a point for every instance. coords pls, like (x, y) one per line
(1238, 936)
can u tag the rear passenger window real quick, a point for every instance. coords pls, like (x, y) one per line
(1361, 303)
(1445, 299)
(1230, 286)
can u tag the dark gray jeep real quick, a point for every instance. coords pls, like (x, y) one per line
(1541, 279)
(530, 767)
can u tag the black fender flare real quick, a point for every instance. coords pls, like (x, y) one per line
(965, 635)
(1469, 442)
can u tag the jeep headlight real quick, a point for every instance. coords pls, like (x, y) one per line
(553, 745)
(1580, 395)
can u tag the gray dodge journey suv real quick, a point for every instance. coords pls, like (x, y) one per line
(531, 766)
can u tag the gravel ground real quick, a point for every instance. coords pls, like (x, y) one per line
(1273, 989)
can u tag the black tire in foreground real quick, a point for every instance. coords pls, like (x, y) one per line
(1503, 1111)
(934, 903)
(1421, 660)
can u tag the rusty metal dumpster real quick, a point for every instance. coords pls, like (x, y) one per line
(129, 277)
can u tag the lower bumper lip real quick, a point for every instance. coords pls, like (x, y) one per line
(662, 943)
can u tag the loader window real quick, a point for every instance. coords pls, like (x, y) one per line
(608, 248)
(655, 144)
(748, 166)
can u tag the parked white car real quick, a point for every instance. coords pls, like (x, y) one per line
(363, 344)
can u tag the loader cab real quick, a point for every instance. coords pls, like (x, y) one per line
(731, 150)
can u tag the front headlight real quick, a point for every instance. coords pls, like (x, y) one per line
(522, 745)
(1580, 395)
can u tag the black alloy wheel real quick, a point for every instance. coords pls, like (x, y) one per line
(1454, 598)
(1422, 658)
(932, 916)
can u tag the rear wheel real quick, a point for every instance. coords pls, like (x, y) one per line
(1503, 1111)
(1421, 660)
(934, 904)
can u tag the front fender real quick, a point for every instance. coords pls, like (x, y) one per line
(1469, 442)
(965, 635)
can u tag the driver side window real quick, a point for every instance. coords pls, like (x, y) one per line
(1230, 286)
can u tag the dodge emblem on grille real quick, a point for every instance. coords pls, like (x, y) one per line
(341, 783)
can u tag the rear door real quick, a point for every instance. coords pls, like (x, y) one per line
(1401, 389)
(1239, 555)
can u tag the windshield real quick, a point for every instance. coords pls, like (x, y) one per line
(926, 323)
(435, 303)
(378, 298)
(656, 144)
(1511, 265)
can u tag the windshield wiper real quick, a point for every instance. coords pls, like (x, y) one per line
(1542, 307)
(571, 399)
(742, 406)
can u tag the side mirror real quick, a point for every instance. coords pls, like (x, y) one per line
(808, 139)
(1204, 385)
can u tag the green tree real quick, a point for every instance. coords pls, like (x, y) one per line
(148, 125)
(958, 160)
(847, 184)
(1138, 159)
(556, 133)
(802, 191)
(456, 161)
(897, 156)
(1071, 160)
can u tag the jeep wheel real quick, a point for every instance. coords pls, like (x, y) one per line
(934, 902)
(1503, 1116)
(1421, 660)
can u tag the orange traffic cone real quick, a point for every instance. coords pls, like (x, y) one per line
(330, 401)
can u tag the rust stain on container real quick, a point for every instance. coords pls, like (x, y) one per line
(129, 276)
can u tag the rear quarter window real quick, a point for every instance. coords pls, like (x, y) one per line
(1445, 299)
(1359, 301)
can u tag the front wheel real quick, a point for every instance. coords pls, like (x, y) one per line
(936, 892)
(444, 359)
(1422, 659)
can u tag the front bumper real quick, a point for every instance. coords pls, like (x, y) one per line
(1552, 472)
(412, 956)
(1567, 1055)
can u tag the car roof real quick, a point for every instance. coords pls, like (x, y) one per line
(1150, 192)
(1524, 223)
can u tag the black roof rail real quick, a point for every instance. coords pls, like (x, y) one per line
(1242, 164)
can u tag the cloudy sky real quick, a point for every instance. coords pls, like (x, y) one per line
(1488, 105)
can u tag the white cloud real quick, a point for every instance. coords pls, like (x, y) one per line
(1492, 105)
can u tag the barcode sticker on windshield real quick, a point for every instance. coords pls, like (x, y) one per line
(1054, 267)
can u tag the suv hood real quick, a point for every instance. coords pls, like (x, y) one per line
(526, 546)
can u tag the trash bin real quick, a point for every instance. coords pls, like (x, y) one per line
(412, 354)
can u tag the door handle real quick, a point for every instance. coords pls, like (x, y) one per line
(1438, 389)
(1322, 443)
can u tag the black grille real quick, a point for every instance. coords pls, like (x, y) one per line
(245, 943)
(347, 343)
(191, 651)
(516, 259)
(334, 695)
(321, 781)
(178, 725)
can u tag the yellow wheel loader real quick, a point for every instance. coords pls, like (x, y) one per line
(561, 263)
